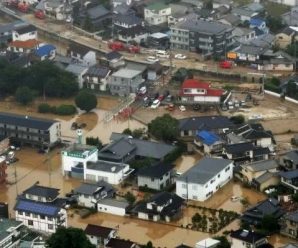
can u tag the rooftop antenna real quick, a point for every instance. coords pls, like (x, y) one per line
(79, 134)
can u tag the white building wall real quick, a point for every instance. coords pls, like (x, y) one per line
(199, 192)
(24, 37)
(155, 18)
(109, 177)
(55, 132)
(264, 142)
(90, 58)
(86, 201)
(111, 209)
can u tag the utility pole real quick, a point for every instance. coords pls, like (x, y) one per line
(49, 168)
(16, 179)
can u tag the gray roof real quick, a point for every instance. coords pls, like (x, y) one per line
(243, 11)
(232, 19)
(155, 171)
(204, 170)
(265, 177)
(93, 188)
(250, 49)
(5, 224)
(106, 166)
(146, 148)
(203, 26)
(292, 174)
(43, 191)
(292, 155)
(115, 203)
(136, 66)
(128, 19)
(264, 40)
(292, 216)
(5, 28)
(97, 12)
(26, 121)
(262, 165)
(76, 69)
(126, 73)
(98, 71)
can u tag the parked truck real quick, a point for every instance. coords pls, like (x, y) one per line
(120, 46)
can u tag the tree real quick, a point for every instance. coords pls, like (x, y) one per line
(269, 223)
(164, 128)
(237, 119)
(69, 237)
(209, 5)
(148, 245)
(87, 25)
(137, 133)
(130, 198)
(295, 197)
(24, 95)
(274, 23)
(224, 243)
(91, 141)
(127, 131)
(86, 100)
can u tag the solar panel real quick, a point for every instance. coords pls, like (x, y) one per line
(37, 208)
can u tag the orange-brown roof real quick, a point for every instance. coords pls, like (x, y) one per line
(25, 44)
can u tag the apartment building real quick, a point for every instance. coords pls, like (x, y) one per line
(29, 130)
(206, 37)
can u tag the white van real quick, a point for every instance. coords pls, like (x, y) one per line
(162, 54)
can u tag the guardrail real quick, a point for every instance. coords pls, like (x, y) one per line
(289, 99)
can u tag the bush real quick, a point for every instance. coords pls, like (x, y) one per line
(65, 109)
(24, 95)
(44, 108)
(238, 119)
(94, 142)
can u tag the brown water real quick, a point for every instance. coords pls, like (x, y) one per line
(185, 162)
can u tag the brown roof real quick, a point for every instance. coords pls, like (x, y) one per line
(98, 231)
(25, 44)
(120, 243)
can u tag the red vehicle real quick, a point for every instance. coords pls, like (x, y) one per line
(23, 7)
(120, 46)
(226, 64)
(133, 49)
(39, 14)
(161, 97)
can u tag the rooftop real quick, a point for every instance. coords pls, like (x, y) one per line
(79, 150)
(204, 170)
(98, 231)
(76, 69)
(239, 148)
(114, 203)
(262, 165)
(119, 243)
(247, 236)
(26, 121)
(7, 224)
(44, 50)
(157, 6)
(293, 216)
(126, 73)
(28, 44)
(98, 71)
(93, 188)
(289, 174)
(106, 166)
(208, 138)
(155, 171)
(42, 191)
(25, 29)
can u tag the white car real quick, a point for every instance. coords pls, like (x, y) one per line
(68, 19)
(180, 56)
(162, 54)
(182, 108)
(152, 59)
(155, 104)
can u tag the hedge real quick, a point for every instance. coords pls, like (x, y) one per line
(63, 109)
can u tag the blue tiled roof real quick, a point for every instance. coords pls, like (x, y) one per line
(44, 50)
(208, 138)
(256, 21)
(37, 208)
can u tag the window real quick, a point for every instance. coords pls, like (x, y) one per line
(42, 217)
(212, 181)
(184, 195)
(218, 175)
(184, 186)
(194, 187)
(228, 168)
(50, 218)
(50, 226)
(27, 214)
(194, 197)
(30, 222)
(152, 179)
(35, 215)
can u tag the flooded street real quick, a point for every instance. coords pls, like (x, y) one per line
(185, 162)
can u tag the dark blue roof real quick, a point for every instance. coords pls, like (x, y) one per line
(208, 138)
(37, 208)
(289, 174)
(256, 21)
(44, 50)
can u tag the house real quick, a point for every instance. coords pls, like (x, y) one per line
(285, 37)
(289, 160)
(230, 19)
(89, 194)
(113, 206)
(210, 38)
(292, 245)
(163, 206)
(248, 53)
(78, 70)
(20, 46)
(255, 133)
(189, 127)
(29, 130)
(193, 91)
(158, 40)
(113, 60)
(82, 54)
(110, 172)
(55, 9)
(39, 208)
(157, 13)
(278, 61)
(155, 71)
(133, 34)
(286, 2)
(248, 11)
(183, 246)
(218, 3)
(120, 243)
(157, 177)
(252, 171)
(99, 235)
(4, 144)
(203, 179)
(178, 13)
(209, 141)
(6, 30)
(208, 243)
(124, 148)
(75, 157)
(3, 167)
(290, 179)
(242, 238)
(96, 78)
(255, 214)
(24, 33)
(46, 51)
(258, 23)
(291, 18)
(243, 35)
(289, 225)
(125, 81)
(245, 151)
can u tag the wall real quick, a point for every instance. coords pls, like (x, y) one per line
(86, 201)
(111, 209)
(90, 58)
(156, 183)
(55, 132)
(24, 37)
(278, 95)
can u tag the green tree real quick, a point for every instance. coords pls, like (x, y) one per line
(274, 23)
(87, 25)
(238, 119)
(269, 223)
(130, 198)
(209, 4)
(224, 243)
(86, 100)
(91, 141)
(164, 127)
(137, 133)
(127, 131)
(24, 95)
(148, 245)
(69, 237)
(295, 197)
